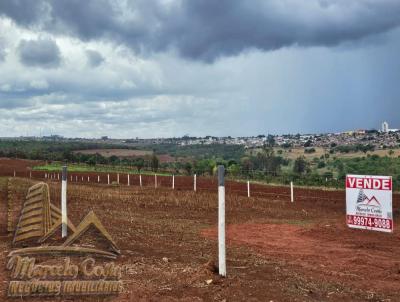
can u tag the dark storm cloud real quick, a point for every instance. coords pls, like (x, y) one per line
(39, 53)
(24, 12)
(208, 29)
(94, 58)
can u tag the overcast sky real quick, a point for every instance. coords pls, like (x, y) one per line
(147, 68)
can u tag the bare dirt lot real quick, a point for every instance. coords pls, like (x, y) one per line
(20, 166)
(276, 251)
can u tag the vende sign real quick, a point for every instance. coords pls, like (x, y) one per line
(369, 202)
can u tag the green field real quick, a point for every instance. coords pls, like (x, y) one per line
(57, 167)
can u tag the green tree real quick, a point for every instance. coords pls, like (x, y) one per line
(300, 165)
(154, 163)
(139, 164)
(188, 168)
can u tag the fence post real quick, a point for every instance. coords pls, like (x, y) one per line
(248, 188)
(155, 181)
(64, 202)
(129, 181)
(195, 183)
(58, 176)
(221, 222)
(173, 181)
(117, 178)
(98, 178)
(108, 178)
(82, 178)
(140, 180)
(291, 192)
(88, 179)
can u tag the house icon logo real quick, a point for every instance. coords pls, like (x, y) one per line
(39, 230)
(364, 200)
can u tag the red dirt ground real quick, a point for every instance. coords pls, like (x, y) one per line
(276, 250)
(364, 260)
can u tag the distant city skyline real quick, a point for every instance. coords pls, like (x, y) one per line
(167, 68)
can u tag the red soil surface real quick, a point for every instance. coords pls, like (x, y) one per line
(277, 250)
(367, 261)
(20, 166)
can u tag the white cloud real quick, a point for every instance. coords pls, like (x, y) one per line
(39, 84)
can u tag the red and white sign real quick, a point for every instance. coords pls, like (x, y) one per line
(369, 202)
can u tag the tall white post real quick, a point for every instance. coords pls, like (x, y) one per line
(108, 178)
(88, 179)
(155, 180)
(140, 179)
(64, 202)
(248, 188)
(129, 181)
(221, 221)
(117, 178)
(98, 178)
(195, 182)
(173, 181)
(291, 192)
(82, 178)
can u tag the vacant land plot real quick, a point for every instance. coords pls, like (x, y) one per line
(276, 250)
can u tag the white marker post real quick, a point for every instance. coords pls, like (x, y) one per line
(108, 178)
(88, 179)
(140, 180)
(195, 183)
(155, 181)
(117, 178)
(221, 221)
(98, 178)
(64, 202)
(248, 188)
(173, 181)
(129, 181)
(291, 192)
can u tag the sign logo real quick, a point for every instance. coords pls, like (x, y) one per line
(41, 266)
(369, 202)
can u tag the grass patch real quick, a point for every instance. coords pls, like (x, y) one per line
(57, 167)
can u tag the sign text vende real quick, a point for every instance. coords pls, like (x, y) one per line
(368, 183)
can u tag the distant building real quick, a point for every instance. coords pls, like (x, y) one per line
(385, 127)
